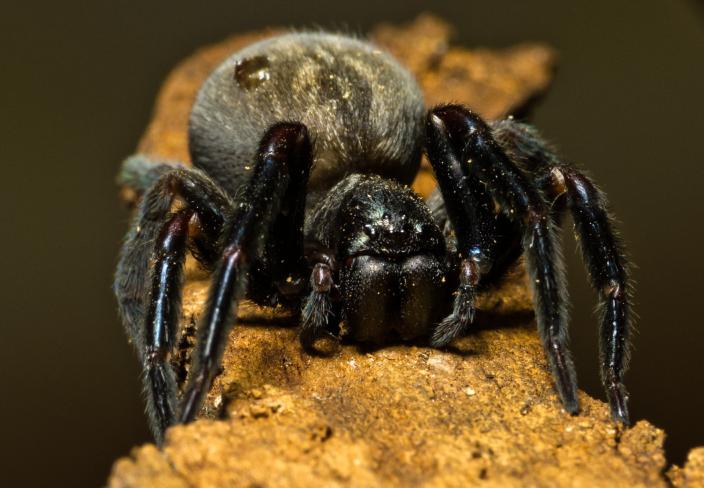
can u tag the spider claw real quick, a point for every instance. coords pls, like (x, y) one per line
(161, 403)
(564, 376)
(618, 401)
(570, 403)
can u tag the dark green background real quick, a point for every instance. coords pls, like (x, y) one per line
(76, 88)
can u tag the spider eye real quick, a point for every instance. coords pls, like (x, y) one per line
(252, 72)
(370, 230)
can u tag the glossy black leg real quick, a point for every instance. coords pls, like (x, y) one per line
(470, 210)
(605, 259)
(601, 248)
(501, 247)
(149, 301)
(162, 320)
(471, 140)
(284, 157)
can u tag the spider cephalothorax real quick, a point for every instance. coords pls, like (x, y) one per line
(330, 227)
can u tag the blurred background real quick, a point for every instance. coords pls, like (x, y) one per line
(77, 84)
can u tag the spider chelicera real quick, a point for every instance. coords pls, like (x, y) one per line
(302, 147)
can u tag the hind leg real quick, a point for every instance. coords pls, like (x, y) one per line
(602, 250)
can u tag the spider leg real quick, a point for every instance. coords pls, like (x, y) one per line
(139, 172)
(470, 210)
(283, 164)
(158, 241)
(501, 246)
(601, 248)
(161, 322)
(471, 141)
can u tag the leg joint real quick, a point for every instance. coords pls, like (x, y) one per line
(614, 289)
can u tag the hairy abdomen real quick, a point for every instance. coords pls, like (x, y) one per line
(363, 110)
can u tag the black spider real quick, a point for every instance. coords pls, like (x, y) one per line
(330, 226)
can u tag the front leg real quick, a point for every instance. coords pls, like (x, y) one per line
(283, 164)
(470, 211)
(472, 144)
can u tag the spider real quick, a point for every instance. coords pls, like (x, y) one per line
(303, 147)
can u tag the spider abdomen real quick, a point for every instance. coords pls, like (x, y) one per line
(364, 111)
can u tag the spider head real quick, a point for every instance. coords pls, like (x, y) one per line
(392, 276)
(382, 218)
